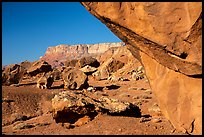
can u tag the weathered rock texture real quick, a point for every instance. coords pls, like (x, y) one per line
(45, 81)
(13, 74)
(68, 107)
(57, 55)
(167, 38)
(74, 78)
(80, 63)
(27, 73)
(39, 67)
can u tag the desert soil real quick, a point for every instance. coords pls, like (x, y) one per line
(27, 110)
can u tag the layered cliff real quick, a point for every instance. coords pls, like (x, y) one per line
(57, 55)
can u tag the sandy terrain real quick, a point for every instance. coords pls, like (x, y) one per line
(26, 110)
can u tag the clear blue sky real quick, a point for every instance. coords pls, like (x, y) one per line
(28, 28)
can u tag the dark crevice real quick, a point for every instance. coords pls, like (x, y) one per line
(74, 113)
(183, 55)
(112, 87)
(197, 76)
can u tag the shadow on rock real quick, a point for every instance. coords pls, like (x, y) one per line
(112, 87)
(132, 111)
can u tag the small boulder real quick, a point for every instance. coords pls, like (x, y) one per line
(156, 120)
(154, 110)
(88, 70)
(45, 82)
(88, 61)
(56, 73)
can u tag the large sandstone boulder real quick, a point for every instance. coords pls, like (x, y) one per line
(107, 68)
(116, 62)
(68, 107)
(39, 67)
(80, 63)
(12, 74)
(56, 73)
(45, 81)
(74, 78)
(167, 39)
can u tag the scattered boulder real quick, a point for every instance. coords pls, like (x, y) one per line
(56, 73)
(138, 73)
(74, 78)
(88, 70)
(39, 67)
(144, 119)
(154, 110)
(71, 63)
(91, 89)
(156, 120)
(45, 82)
(107, 68)
(20, 126)
(88, 61)
(114, 65)
(26, 64)
(68, 107)
(13, 73)
(80, 63)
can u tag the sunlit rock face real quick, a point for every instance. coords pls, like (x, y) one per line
(167, 36)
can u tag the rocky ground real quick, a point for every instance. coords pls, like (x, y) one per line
(27, 110)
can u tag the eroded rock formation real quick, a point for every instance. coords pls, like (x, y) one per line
(167, 38)
(13, 74)
(74, 78)
(80, 63)
(39, 67)
(45, 81)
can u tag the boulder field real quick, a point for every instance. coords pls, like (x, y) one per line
(167, 39)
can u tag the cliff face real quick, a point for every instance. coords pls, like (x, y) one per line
(57, 55)
(157, 28)
(168, 38)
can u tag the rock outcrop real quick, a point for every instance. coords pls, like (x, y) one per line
(57, 55)
(167, 38)
(116, 62)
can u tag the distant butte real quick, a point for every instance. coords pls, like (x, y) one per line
(57, 55)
